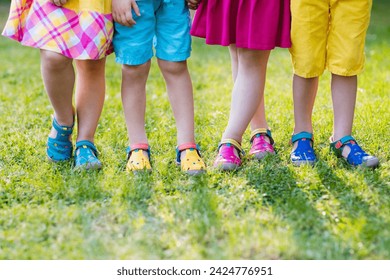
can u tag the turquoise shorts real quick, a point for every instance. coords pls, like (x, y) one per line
(163, 24)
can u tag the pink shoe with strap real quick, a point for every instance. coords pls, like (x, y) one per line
(260, 146)
(226, 159)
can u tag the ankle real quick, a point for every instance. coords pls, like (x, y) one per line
(64, 120)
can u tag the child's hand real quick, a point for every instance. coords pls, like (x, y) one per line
(121, 11)
(193, 4)
(59, 2)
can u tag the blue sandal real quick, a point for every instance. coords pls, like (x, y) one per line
(60, 148)
(357, 156)
(86, 156)
(304, 152)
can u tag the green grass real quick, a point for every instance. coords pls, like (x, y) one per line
(267, 210)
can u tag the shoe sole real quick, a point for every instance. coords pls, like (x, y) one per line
(57, 161)
(371, 163)
(89, 166)
(140, 171)
(195, 172)
(303, 162)
(227, 166)
(261, 155)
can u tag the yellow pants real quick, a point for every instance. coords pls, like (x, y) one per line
(329, 34)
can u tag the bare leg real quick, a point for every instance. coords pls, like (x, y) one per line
(234, 60)
(246, 92)
(304, 92)
(180, 93)
(90, 92)
(259, 119)
(344, 99)
(134, 100)
(58, 77)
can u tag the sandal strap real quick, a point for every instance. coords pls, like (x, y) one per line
(87, 144)
(138, 146)
(338, 146)
(263, 131)
(184, 147)
(342, 141)
(234, 143)
(63, 129)
(302, 135)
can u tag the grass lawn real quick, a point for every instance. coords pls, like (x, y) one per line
(266, 210)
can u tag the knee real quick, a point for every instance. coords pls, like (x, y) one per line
(53, 61)
(94, 67)
(172, 68)
(136, 71)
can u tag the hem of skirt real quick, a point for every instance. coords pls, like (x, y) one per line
(80, 57)
(243, 45)
(247, 46)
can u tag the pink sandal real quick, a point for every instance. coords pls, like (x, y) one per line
(260, 147)
(227, 159)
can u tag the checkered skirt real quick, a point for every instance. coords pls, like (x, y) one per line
(41, 24)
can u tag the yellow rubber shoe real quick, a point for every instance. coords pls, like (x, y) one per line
(191, 163)
(136, 158)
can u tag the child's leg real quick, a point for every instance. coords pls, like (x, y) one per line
(58, 77)
(179, 87)
(134, 100)
(247, 90)
(304, 92)
(180, 94)
(90, 93)
(234, 60)
(344, 98)
(258, 119)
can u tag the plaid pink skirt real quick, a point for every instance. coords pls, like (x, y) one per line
(78, 35)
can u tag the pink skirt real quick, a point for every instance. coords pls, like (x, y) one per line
(250, 24)
(84, 34)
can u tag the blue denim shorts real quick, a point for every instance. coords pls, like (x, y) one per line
(163, 24)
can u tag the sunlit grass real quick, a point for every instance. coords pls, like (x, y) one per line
(267, 210)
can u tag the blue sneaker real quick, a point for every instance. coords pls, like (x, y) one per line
(86, 156)
(304, 152)
(60, 148)
(357, 156)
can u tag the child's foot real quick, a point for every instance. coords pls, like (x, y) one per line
(138, 158)
(59, 144)
(86, 156)
(229, 152)
(303, 152)
(349, 149)
(189, 159)
(262, 143)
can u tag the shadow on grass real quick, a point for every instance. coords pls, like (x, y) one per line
(205, 219)
(137, 191)
(278, 189)
(359, 210)
(76, 187)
